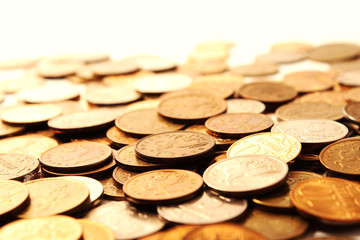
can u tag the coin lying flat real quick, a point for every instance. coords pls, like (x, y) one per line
(110, 68)
(30, 114)
(329, 199)
(32, 144)
(125, 221)
(76, 156)
(236, 125)
(13, 196)
(49, 94)
(154, 63)
(221, 90)
(309, 81)
(52, 227)
(334, 52)
(163, 186)
(280, 145)
(352, 112)
(50, 196)
(95, 231)
(111, 189)
(175, 233)
(191, 106)
(119, 138)
(280, 198)
(8, 130)
(88, 58)
(58, 70)
(256, 69)
(120, 175)
(145, 104)
(225, 230)
(244, 106)
(332, 97)
(275, 226)
(342, 157)
(268, 92)
(205, 209)
(246, 175)
(175, 147)
(145, 122)
(353, 94)
(16, 63)
(301, 110)
(291, 47)
(278, 57)
(16, 166)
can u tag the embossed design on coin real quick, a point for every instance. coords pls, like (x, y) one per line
(145, 122)
(50, 196)
(309, 81)
(280, 145)
(191, 106)
(13, 195)
(174, 147)
(111, 190)
(126, 221)
(205, 209)
(121, 176)
(312, 130)
(52, 227)
(163, 186)
(233, 125)
(76, 155)
(301, 110)
(16, 166)
(244, 106)
(331, 199)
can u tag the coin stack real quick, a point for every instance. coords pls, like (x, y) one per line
(147, 148)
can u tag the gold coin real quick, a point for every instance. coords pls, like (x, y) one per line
(32, 144)
(223, 231)
(178, 232)
(334, 52)
(280, 145)
(191, 106)
(95, 231)
(111, 189)
(121, 176)
(228, 79)
(268, 92)
(17, 63)
(278, 57)
(88, 58)
(346, 66)
(50, 196)
(125, 78)
(336, 98)
(16, 166)
(333, 200)
(221, 90)
(291, 47)
(110, 68)
(153, 63)
(256, 69)
(58, 70)
(145, 122)
(119, 138)
(309, 110)
(30, 114)
(13, 196)
(275, 226)
(52, 227)
(145, 104)
(309, 81)
(8, 130)
(163, 186)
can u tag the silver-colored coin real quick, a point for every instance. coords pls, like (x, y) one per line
(312, 130)
(244, 106)
(205, 209)
(126, 221)
(247, 174)
(349, 78)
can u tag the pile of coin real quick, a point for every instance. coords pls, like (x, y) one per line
(147, 148)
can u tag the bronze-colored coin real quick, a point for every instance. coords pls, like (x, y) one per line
(95, 231)
(58, 70)
(342, 157)
(332, 97)
(166, 186)
(280, 145)
(221, 90)
(280, 198)
(16, 63)
(191, 106)
(119, 138)
(236, 125)
(111, 189)
(85, 121)
(16, 166)
(349, 78)
(268, 92)
(101, 94)
(291, 47)
(32, 144)
(309, 81)
(88, 58)
(224, 231)
(353, 95)
(52, 227)
(346, 66)
(121, 176)
(220, 143)
(332, 200)
(274, 225)
(83, 74)
(145, 104)
(125, 78)
(145, 122)
(50, 94)
(177, 232)
(175, 147)
(327, 238)
(256, 69)
(309, 110)
(50, 196)
(110, 68)
(352, 111)
(13, 196)
(126, 159)
(236, 105)
(30, 114)
(334, 52)
(278, 57)
(8, 130)
(72, 106)
(153, 63)
(76, 156)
